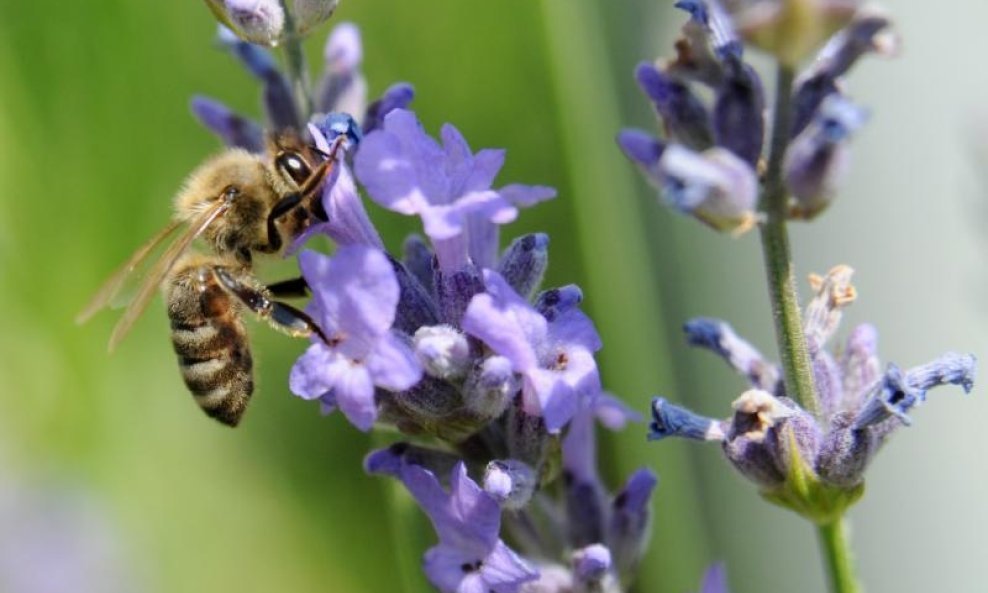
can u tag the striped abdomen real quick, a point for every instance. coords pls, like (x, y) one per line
(211, 343)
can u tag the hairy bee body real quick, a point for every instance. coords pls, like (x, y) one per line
(238, 204)
(210, 340)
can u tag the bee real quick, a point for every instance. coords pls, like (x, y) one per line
(239, 204)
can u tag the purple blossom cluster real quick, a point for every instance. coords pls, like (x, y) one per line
(707, 163)
(769, 438)
(451, 343)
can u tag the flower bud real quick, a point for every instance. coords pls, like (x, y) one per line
(489, 387)
(455, 290)
(739, 111)
(554, 302)
(685, 118)
(511, 482)
(524, 263)
(817, 160)
(234, 129)
(630, 522)
(720, 338)
(416, 307)
(715, 186)
(397, 96)
(417, 257)
(279, 100)
(592, 570)
(343, 87)
(264, 22)
(754, 444)
(312, 13)
(256, 21)
(526, 436)
(443, 351)
(791, 29)
(644, 150)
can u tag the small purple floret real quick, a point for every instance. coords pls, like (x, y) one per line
(555, 359)
(354, 301)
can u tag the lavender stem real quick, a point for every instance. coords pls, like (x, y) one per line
(298, 71)
(834, 540)
(778, 259)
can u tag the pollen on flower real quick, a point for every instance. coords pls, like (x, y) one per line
(836, 286)
(756, 411)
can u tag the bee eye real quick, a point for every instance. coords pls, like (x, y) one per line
(294, 166)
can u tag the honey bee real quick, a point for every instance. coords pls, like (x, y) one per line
(239, 204)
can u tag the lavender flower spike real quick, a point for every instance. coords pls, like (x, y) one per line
(446, 185)
(470, 557)
(355, 295)
(555, 359)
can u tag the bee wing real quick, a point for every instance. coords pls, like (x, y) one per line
(157, 274)
(113, 285)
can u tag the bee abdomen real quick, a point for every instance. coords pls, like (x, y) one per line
(213, 352)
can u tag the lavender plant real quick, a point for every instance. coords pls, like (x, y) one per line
(805, 431)
(491, 382)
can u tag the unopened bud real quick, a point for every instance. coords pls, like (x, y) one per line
(489, 387)
(511, 482)
(817, 160)
(257, 21)
(524, 263)
(715, 186)
(443, 351)
(792, 29)
(312, 13)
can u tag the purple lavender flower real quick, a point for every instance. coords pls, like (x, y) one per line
(817, 159)
(448, 186)
(343, 87)
(279, 100)
(774, 442)
(354, 302)
(347, 221)
(622, 522)
(706, 164)
(470, 557)
(554, 358)
(234, 129)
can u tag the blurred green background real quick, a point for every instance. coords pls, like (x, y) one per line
(95, 137)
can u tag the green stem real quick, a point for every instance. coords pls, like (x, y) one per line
(298, 70)
(788, 321)
(834, 540)
(778, 258)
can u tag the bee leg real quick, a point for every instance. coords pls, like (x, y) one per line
(280, 316)
(291, 288)
(292, 201)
